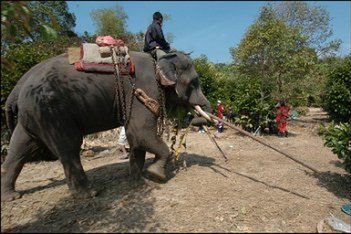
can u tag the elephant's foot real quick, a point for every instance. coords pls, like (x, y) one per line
(157, 171)
(7, 196)
(84, 194)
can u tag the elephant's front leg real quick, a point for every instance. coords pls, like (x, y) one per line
(158, 147)
(136, 162)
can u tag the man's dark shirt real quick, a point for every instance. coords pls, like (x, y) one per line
(154, 37)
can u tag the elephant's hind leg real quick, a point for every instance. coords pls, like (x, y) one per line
(22, 147)
(65, 142)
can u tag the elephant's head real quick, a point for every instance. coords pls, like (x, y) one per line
(182, 82)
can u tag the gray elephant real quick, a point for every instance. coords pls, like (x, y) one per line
(58, 105)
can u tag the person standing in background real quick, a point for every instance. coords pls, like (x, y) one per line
(220, 111)
(122, 141)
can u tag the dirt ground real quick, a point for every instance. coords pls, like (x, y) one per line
(257, 190)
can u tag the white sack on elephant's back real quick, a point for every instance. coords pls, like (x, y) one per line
(92, 54)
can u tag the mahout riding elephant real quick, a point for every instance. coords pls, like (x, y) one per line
(58, 105)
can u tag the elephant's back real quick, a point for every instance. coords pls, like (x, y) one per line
(57, 89)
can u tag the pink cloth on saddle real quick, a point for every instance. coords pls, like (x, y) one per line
(108, 41)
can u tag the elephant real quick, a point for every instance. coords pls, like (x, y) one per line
(58, 105)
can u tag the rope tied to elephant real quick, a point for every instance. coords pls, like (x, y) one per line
(150, 103)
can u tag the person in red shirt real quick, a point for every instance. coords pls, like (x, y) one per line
(282, 115)
(220, 111)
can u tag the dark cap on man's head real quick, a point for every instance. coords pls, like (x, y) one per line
(157, 16)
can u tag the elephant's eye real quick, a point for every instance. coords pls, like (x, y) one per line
(194, 83)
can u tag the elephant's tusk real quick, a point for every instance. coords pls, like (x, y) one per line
(203, 114)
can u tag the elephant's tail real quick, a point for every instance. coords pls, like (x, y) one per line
(10, 113)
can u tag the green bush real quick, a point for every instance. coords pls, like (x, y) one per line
(240, 92)
(247, 104)
(338, 138)
(337, 99)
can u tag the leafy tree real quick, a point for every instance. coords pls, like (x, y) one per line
(30, 21)
(139, 40)
(207, 77)
(23, 21)
(313, 22)
(276, 55)
(55, 13)
(110, 21)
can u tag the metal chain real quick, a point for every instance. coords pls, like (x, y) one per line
(161, 125)
(131, 100)
(161, 120)
(121, 93)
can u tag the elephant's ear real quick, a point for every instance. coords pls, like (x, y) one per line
(163, 78)
(165, 71)
(169, 55)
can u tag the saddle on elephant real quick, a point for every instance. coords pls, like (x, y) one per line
(97, 57)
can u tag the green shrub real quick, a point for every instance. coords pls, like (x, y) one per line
(337, 99)
(338, 138)
(240, 92)
(251, 110)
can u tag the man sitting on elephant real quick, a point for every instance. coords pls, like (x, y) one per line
(155, 42)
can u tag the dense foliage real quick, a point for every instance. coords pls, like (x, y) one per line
(337, 96)
(236, 91)
(338, 138)
(337, 101)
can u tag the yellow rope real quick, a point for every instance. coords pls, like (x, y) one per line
(182, 137)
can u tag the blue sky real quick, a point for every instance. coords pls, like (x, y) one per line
(209, 28)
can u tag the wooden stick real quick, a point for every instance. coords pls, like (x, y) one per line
(263, 143)
(214, 141)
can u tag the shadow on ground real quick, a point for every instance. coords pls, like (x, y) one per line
(122, 205)
(125, 205)
(336, 183)
(194, 159)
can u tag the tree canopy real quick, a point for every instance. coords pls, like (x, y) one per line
(110, 21)
(275, 54)
(313, 22)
